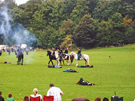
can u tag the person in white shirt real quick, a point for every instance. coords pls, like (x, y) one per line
(35, 91)
(56, 92)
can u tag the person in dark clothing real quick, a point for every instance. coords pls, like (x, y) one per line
(87, 66)
(82, 82)
(70, 70)
(79, 54)
(53, 51)
(60, 53)
(66, 51)
(54, 66)
(1, 98)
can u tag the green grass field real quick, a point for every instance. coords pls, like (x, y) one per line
(111, 74)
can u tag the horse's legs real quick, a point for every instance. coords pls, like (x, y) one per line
(68, 60)
(85, 62)
(63, 61)
(72, 60)
(48, 62)
(76, 62)
(88, 62)
(58, 62)
(52, 62)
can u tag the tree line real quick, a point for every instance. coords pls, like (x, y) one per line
(84, 23)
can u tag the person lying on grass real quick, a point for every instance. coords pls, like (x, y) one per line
(54, 66)
(70, 70)
(5, 62)
(82, 82)
(87, 66)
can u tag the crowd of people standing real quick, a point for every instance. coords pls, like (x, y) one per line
(17, 49)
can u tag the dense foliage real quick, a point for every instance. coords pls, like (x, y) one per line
(85, 23)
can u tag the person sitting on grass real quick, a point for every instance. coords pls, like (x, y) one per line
(1, 98)
(35, 91)
(10, 98)
(26, 98)
(97, 99)
(82, 82)
(105, 99)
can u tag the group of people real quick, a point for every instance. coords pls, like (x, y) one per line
(16, 49)
(10, 98)
(53, 91)
(84, 99)
(56, 92)
(99, 99)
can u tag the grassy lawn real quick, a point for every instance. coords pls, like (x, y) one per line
(111, 74)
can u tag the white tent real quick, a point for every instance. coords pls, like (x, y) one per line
(23, 46)
(3, 47)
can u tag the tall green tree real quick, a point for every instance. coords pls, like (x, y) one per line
(79, 11)
(104, 33)
(105, 9)
(111, 32)
(91, 5)
(85, 32)
(67, 7)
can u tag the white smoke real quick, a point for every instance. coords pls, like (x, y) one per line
(16, 34)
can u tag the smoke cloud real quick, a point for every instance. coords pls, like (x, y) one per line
(13, 33)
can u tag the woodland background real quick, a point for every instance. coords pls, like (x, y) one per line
(84, 23)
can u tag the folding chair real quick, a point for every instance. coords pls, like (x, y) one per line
(35, 99)
(48, 98)
(116, 99)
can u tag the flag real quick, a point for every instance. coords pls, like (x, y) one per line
(70, 44)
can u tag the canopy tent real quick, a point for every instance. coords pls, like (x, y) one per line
(3, 47)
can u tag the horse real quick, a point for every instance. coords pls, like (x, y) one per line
(68, 57)
(51, 57)
(84, 56)
(20, 57)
